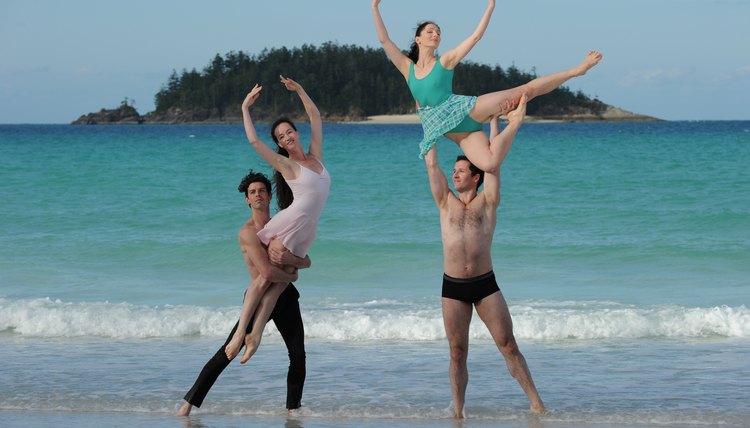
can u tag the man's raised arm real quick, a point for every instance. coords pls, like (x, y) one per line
(438, 182)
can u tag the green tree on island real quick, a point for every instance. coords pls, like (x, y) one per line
(345, 80)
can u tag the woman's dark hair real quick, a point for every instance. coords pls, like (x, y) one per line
(414, 49)
(284, 195)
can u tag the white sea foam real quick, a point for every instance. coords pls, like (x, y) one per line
(374, 321)
(54, 318)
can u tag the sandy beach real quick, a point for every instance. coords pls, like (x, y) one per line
(388, 119)
(612, 114)
(410, 119)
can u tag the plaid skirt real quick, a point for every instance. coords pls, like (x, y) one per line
(438, 120)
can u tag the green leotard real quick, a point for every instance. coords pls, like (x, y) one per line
(440, 110)
(432, 89)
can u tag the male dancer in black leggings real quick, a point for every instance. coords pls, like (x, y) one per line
(286, 314)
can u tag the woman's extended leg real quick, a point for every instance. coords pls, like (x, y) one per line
(488, 154)
(262, 314)
(475, 144)
(501, 102)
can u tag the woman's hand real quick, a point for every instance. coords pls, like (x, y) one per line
(290, 84)
(276, 252)
(281, 258)
(375, 4)
(251, 96)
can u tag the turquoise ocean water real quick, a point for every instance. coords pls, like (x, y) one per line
(623, 251)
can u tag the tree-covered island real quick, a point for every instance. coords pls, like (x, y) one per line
(347, 82)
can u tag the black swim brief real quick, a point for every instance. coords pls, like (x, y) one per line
(469, 290)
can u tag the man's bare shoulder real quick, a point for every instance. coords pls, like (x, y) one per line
(451, 200)
(248, 232)
(483, 200)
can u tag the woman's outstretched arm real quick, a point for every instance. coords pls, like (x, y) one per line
(451, 58)
(277, 162)
(316, 123)
(397, 57)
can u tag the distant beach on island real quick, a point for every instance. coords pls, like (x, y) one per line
(612, 114)
(127, 115)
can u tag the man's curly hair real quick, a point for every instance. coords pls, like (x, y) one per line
(253, 177)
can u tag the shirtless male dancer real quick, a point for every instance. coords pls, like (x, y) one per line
(286, 313)
(467, 224)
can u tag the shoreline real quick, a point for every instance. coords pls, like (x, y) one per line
(111, 117)
(612, 114)
(413, 119)
(387, 119)
(408, 119)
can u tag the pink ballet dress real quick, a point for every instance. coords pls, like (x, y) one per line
(296, 225)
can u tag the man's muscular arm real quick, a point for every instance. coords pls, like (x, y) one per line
(257, 253)
(438, 181)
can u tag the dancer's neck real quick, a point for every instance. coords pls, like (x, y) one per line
(426, 57)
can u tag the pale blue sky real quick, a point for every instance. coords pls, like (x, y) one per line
(673, 59)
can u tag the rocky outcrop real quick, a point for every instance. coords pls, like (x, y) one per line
(610, 114)
(615, 114)
(176, 115)
(125, 114)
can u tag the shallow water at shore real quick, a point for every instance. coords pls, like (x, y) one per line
(621, 249)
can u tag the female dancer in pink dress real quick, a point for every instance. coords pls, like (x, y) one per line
(293, 228)
(460, 117)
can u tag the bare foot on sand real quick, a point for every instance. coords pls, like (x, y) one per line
(592, 59)
(185, 409)
(251, 345)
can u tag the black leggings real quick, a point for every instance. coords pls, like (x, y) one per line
(288, 320)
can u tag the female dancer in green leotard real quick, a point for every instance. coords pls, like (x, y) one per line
(460, 117)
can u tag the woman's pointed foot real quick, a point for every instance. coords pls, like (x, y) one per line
(251, 345)
(589, 62)
(233, 348)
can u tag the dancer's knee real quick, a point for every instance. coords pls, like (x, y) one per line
(297, 358)
(486, 163)
(459, 354)
(508, 346)
(478, 151)
(529, 89)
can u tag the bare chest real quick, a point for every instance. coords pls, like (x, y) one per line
(465, 218)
